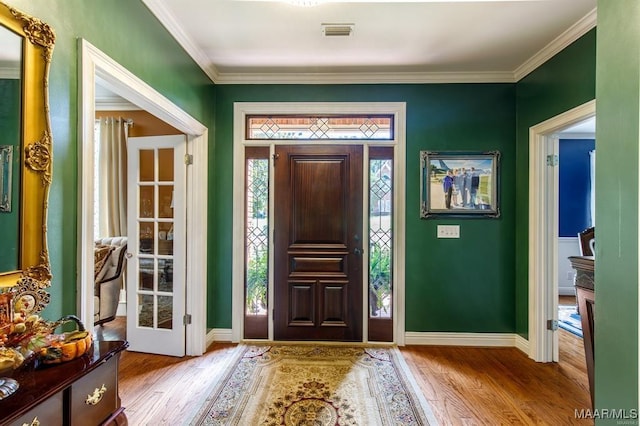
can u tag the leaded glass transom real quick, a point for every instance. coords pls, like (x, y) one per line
(318, 127)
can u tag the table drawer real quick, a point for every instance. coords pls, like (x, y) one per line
(46, 413)
(95, 396)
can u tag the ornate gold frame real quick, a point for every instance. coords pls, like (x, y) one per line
(36, 154)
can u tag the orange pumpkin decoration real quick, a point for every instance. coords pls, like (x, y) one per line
(73, 344)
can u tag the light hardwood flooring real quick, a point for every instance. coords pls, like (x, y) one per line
(464, 386)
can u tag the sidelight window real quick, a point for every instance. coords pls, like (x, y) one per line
(256, 242)
(380, 243)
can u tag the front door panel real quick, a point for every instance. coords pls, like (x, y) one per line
(318, 262)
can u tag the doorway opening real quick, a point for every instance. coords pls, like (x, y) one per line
(543, 230)
(98, 67)
(318, 279)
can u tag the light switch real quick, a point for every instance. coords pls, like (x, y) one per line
(448, 231)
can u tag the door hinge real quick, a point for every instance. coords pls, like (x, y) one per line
(186, 319)
(188, 159)
(275, 157)
(552, 325)
(552, 160)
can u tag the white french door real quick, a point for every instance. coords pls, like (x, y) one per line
(156, 244)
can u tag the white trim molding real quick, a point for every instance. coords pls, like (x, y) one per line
(366, 78)
(543, 226)
(95, 66)
(464, 339)
(572, 34)
(160, 10)
(219, 335)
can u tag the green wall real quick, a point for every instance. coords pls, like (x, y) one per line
(617, 168)
(127, 32)
(563, 82)
(451, 285)
(488, 265)
(10, 131)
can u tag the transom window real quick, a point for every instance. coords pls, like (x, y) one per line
(318, 127)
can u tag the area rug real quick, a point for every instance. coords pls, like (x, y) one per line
(569, 319)
(316, 385)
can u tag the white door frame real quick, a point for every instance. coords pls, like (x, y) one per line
(96, 65)
(543, 229)
(240, 111)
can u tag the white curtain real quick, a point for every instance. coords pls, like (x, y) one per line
(592, 186)
(112, 171)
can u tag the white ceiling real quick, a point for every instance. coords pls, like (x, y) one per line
(392, 41)
(586, 128)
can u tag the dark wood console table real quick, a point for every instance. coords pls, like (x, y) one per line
(79, 392)
(585, 287)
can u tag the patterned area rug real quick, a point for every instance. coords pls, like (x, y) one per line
(568, 319)
(316, 385)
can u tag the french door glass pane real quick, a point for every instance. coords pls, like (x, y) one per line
(155, 230)
(380, 237)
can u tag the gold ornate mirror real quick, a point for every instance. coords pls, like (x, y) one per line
(26, 46)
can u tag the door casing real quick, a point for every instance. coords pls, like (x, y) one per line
(543, 225)
(241, 110)
(97, 66)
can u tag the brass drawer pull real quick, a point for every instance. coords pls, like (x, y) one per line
(97, 396)
(35, 422)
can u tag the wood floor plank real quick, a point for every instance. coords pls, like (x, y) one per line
(464, 385)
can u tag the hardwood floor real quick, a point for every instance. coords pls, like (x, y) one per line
(502, 386)
(465, 386)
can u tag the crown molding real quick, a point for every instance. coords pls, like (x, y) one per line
(366, 78)
(10, 72)
(165, 17)
(572, 34)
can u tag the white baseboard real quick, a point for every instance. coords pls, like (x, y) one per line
(511, 340)
(218, 335)
(522, 344)
(462, 339)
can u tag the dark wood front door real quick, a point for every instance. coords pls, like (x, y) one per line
(318, 243)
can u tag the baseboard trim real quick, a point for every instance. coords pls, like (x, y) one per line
(461, 339)
(522, 344)
(511, 340)
(218, 335)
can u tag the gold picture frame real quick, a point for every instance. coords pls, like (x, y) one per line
(35, 149)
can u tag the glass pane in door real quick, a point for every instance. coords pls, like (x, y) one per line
(155, 230)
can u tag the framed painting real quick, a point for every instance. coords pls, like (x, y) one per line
(464, 184)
